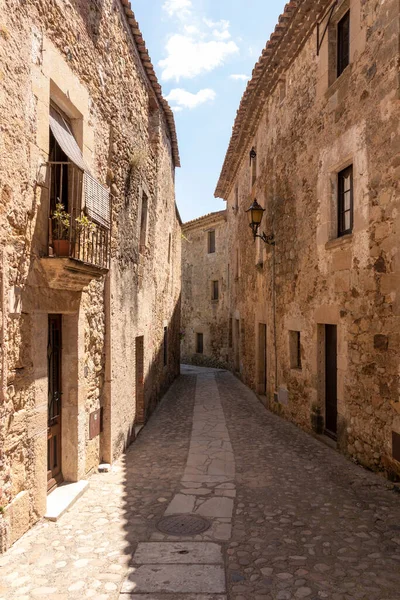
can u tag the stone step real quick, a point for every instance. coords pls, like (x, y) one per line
(63, 497)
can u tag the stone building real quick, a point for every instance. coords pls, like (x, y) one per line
(205, 284)
(315, 313)
(89, 306)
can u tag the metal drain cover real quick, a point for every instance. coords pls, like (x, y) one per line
(183, 525)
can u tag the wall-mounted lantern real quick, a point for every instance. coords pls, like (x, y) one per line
(256, 213)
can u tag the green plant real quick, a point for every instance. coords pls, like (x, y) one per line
(62, 221)
(2, 510)
(85, 223)
(137, 159)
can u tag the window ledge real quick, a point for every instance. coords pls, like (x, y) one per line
(344, 240)
(342, 79)
(214, 301)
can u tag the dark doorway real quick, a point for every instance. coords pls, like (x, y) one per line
(331, 380)
(140, 408)
(262, 359)
(54, 349)
(237, 345)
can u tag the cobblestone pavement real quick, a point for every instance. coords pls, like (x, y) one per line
(308, 523)
(290, 518)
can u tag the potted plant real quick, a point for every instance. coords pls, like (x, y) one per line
(62, 223)
(317, 419)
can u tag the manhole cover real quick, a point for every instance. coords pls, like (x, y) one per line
(183, 525)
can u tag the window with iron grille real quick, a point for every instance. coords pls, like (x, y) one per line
(214, 290)
(199, 343)
(343, 43)
(345, 201)
(211, 242)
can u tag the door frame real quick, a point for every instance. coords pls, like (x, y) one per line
(331, 432)
(54, 477)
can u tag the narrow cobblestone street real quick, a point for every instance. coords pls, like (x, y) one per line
(289, 517)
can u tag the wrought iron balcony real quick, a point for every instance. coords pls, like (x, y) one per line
(79, 230)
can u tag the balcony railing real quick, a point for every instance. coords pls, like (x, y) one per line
(80, 216)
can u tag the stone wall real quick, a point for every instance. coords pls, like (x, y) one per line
(83, 57)
(200, 313)
(309, 127)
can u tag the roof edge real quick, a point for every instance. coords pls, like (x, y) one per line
(151, 74)
(219, 215)
(264, 68)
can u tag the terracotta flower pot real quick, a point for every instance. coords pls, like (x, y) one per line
(61, 247)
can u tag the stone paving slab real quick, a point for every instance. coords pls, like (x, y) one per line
(180, 579)
(153, 553)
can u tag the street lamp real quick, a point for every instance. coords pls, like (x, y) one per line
(256, 213)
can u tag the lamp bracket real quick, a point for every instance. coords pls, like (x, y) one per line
(267, 239)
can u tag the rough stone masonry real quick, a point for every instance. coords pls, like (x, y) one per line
(89, 334)
(316, 316)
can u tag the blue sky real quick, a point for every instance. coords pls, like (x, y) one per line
(203, 51)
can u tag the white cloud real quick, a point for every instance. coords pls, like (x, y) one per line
(239, 77)
(222, 25)
(191, 29)
(189, 57)
(221, 35)
(177, 7)
(184, 99)
(176, 108)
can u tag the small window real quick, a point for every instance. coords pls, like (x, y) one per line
(295, 349)
(211, 242)
(199, 343)
(165, 346)
(345, 201)
(343, 43)
(169, 248)
(143, 223)
(253, 165)
(214, 290)
(230, 341)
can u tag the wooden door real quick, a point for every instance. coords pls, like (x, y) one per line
(262, 359)
(54, 474)
(331, 380)
(139, 353)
